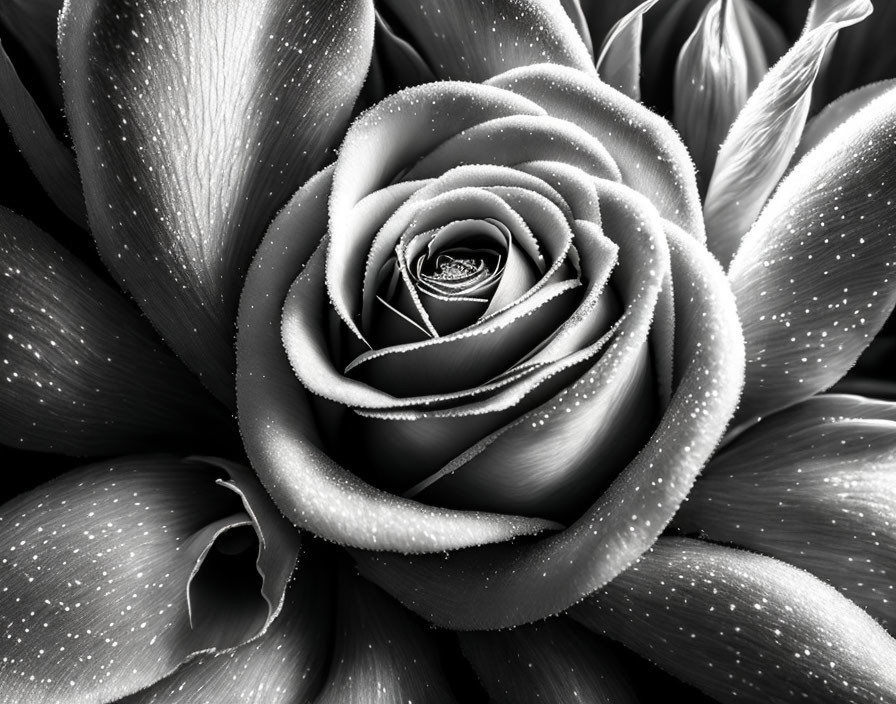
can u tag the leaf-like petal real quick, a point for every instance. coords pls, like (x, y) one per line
(812, 486)
(193, 125)
(75, 355)
(744, 628)
(813, 277)
(619, 60)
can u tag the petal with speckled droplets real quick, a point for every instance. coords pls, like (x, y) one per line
(381, 652)
(74, 355)
(498, 586)
(814, 276)
(183, 169)
(284, 666)
(473, 40)
(813, 486)
(555, 661)
(744, 627)
(115, 573)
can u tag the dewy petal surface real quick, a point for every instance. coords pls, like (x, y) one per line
(766, 133)
(473, 40)
(193, 124)
(510, 584)
(555, 661)
(812, 486)
(96, 569)
(74, 356)
(814, 276)
(744, 628)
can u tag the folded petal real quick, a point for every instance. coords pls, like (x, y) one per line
(743, 627)
(767, 131)
(553, 661)
(813, 277)
(51, 161)
(812, 486)
(619, 60)
(498, 586)
(476, 40)
(381, 652)
(280, 433)
(75, 355)
(183, 169)
(284, 666)
(102, 576)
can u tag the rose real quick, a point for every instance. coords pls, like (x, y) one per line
(85, 374)
(529, 401)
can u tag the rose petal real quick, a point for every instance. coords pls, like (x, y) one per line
(553, 661)
(75, 355)
(78, 550)
(765, 135)
(33, 24)
(813, 276)
(284, 666)
(649, 154)
(395, 64)
(509, 584)
(380, 649)
(602, 15)
(477, 40)
(813, 487)
(280, 433)
(743, 627)
(51, 162)
(183, 170)
(619, 59)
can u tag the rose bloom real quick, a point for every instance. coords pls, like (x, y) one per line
(517, 395)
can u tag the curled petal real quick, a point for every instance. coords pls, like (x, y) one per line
(812, 486)
(33, 24)
(767, 131)
(619, 60)
(477, 40)
(75, 354)
(381, 648)
(554, 661)
(743, 627)
(279, 430)
(183, 170)
(510, 584)
(155, 527)
(813, 277)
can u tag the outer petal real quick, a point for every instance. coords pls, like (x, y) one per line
(767, 131)
(33, 24)
(506, 585)
(744, 628)
(382, 653)
(284, 666)
(279, 431)
(813, 486)
(474, 40)
(619, 60)
(74, 355)
(98, 568)
(183, 169)
(555, 661)
(813, 277)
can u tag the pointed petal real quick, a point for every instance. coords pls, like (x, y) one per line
(602, 15)
(75, 354)
(553, 661)
(619, 60)
(765, 135)
(812, 486)
(574, 10)
(510, 584)
(711, 84)
(183, 170)
(382, 653)
(51, 162)
(284, 666)
(279, 430)
(477, 40)
(743, 627)
(95, 575)
(813, 277)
